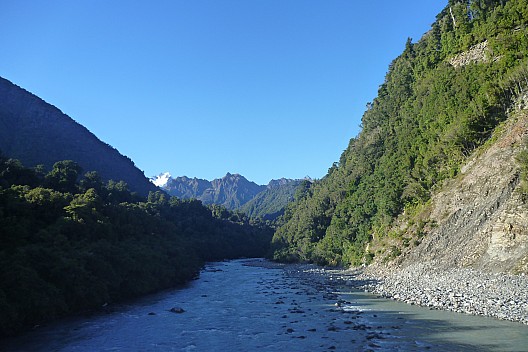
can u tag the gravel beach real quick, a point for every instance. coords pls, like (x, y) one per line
(468, 291)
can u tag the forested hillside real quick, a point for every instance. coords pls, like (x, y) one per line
(38, 133)
(441, 100)
(271, 202)
(70, 242)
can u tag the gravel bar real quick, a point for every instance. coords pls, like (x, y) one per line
(462, 290)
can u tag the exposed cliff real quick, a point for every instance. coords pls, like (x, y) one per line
(36, 132)
(478, 219)
(478, 53)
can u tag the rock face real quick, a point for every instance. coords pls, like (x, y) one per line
(177, 310)
(477, 53)
(232, 191)
(478, 220)
(36, 132)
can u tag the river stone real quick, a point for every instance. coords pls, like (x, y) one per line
(177, 310)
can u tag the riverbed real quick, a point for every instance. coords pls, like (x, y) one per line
(246, 305)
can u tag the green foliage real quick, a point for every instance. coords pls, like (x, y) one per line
(69, 246)
(12, 171)
(63, 177)
(270, 203)
(427, 118)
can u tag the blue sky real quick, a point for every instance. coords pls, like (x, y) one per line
(264, 88)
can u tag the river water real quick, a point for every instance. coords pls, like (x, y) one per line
(243, 306)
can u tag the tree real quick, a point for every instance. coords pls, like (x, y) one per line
(92, 180)
(63, 176)
(428, 117)
(12, 172)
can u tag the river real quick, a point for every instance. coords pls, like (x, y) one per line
(241, 305)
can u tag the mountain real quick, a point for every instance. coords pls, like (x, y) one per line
(71, 244)
(234, 191)
(231, 191)
(271, 202)
(437, 169)
(37, 133)
(161, 180)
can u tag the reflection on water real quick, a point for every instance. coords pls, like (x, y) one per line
(236, 307)
(434, 327)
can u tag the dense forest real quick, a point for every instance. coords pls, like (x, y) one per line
(70, 242)
(441, 99)
(270, 203)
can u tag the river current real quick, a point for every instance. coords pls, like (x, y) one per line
(241, 305)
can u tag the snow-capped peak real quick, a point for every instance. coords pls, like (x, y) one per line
(161, 180)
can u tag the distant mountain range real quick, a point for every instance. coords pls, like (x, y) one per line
(38, 133)
(233, 191)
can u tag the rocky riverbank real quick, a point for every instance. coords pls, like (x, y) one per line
(501, 296)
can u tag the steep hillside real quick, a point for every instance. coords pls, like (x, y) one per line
(186, 188)
(480, 215)
(36, 132)
(270, 203)
(231, 191)
(441, 100)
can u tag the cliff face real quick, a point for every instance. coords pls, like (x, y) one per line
(478, 219)
(479, 53)
(36, 132)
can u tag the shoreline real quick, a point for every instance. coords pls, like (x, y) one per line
(462, 290)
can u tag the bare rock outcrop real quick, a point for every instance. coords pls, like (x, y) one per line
(478, 220)
(478, 53)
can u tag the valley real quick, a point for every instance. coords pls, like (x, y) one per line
(234, 192)
(428, 205)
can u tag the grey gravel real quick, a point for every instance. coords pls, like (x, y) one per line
(462, 290)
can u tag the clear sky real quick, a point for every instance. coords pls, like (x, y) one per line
(264, 88)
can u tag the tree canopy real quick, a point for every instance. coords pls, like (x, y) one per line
(431, 112)
(71, 243)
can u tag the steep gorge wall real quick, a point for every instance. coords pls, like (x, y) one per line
(478, 219)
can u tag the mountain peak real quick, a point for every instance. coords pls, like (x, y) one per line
(161, 180)
(280, 182)
(230, 175)
(231, 191)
